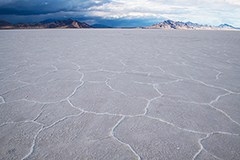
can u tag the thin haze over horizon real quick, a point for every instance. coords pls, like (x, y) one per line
(123, 13)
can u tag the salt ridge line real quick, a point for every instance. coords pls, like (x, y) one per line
(78, 108)
(81, 84)
(128, 145)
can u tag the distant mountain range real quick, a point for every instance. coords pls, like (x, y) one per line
(69, 23)
(169, 24)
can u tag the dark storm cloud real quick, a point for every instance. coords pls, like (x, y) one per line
(37, 7)
(122, 12)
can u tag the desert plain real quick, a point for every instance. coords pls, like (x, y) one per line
(119, 94)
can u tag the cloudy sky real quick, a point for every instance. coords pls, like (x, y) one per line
(120, 13)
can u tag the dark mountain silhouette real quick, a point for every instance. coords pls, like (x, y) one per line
(5, 23)
(69, 23)
(226, 26)
(169, 24)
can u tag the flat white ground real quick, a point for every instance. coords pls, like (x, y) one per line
(119, 94)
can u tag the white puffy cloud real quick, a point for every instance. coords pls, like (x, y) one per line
(234, 2)
(212, 12)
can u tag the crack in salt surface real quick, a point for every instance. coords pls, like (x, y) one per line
(229, 117)
(206, 137)
(56, 69)
(40, 102)
(210, 104)
(148, 104)
(128, 145)
(2, 99)
(58, 121)
(106, 82)
(202, 148)
(75, 90)
(26, 83)
(219, 73)
(14, 89)
(25, 121)
(41, 76)
(151, 100)
(35, 137)
(219, 96)
(121, 61)
(14, 74)
(33, 144)
(46, 127)
(173, 125)
(212, 86)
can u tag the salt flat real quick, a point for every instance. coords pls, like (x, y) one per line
(119, 94)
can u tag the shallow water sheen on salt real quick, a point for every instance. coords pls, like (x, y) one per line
(119, 94)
